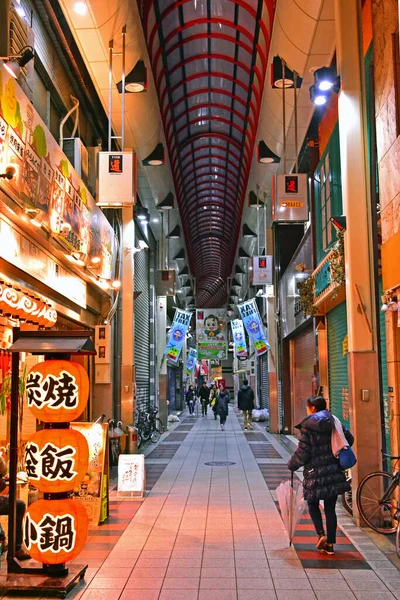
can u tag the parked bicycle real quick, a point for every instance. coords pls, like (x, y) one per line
(347, 497)
(149, 426)
(378, 501)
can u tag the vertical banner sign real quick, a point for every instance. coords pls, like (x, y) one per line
(239, 338)
(191, 360)
(56, 461)
(177, 334)
(212, 334)
(254, 327)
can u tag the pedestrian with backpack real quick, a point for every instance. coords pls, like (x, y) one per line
(246, 403)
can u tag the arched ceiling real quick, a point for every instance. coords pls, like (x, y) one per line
(209, 61)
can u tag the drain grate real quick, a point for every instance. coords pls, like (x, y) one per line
(220, 463)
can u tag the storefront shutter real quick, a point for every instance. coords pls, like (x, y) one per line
(142, 319)
(264, 381)
(384, 372)
(303, 348)
(337, 361)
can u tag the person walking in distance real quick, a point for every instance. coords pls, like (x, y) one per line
(190, 399)
(204, 395)
(213, 400)
(246, 403)
(222, 406)
(324, 478)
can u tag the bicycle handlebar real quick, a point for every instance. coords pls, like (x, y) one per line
(389, 456)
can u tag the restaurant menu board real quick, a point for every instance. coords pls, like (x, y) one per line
(92, 491)
(131, 475)
(212, 334)
(45, 180)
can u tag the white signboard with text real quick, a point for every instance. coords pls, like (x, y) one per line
(131, 475)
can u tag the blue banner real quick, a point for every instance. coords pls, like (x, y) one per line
(191, 360)
(254, 327)
(239, 338)
(177, 334)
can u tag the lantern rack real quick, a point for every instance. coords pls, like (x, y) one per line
(55, 580)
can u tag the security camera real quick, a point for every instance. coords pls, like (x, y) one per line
(10, 173)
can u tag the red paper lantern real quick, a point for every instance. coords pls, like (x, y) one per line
(55, 531)
(56, 460)
(57, 390)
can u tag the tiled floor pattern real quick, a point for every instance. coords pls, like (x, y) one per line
(263, 450)
(176, 436)
(164, 450)
(214, 533)
(254, 436)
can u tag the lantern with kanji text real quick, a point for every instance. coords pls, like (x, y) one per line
(57, 390)
(55, 531)
(56, 460)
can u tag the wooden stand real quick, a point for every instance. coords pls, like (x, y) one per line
(41, 584)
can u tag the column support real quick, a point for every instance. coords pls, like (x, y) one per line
(128, 396)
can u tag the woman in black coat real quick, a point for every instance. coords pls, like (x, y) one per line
(191, 399)
(222, 406)
(324, 478)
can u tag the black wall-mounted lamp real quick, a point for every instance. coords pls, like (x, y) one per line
(167, 203)
(175, 234)
(325, 82)
(180, 255)
(265, 154)
(156, 157)
(247, 232)
(16, 62)
(142, 214)
(282, 76)
(136, 80)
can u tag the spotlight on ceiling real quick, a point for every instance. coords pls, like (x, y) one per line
(183, 271)
(175, 234)
(155, 158)
(16, 62)
(243, 253)
(142, 214)
(167, 203)
(180, 255)
(247, 232)
(318, 97)
(282, 76)
(325, 79)
(265, 154)
(136, 80)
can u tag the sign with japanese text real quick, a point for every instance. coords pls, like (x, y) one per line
(131, 475)
(212, 333)
(262, 273)
(90, 492)
(177, 334)
(239, 338)
(191, 360)
(46, 183)
(290, 195)
(254, 327)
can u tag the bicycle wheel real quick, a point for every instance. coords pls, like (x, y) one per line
(146, 431)
(398, 540)
(379, 515)
(347, 501)
(155, 436)
(160, 427)
(139, 439)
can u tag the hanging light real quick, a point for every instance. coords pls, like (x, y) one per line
(325, 79)
(167, 203)
(155, 158)
(243, 253)
(175, 234)
(247, 232)
(180, 255)
(136, 80)
(318, 97)
(142, 214)
(15, 63)
(265, 154)
(95, 260)
(282, 76)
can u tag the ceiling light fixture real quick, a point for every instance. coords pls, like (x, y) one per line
(16, 62)
(325, 79)
(282, 76)
(80, 8)
(318, 97)
(175, 234)
(155, 158)
(265, 154)
(243, 253)
(180, 255)
(247, 232)
(167, 203)
(142, 214)
(95, 260)
(136, 80)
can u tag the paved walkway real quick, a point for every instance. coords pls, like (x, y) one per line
(214, 533)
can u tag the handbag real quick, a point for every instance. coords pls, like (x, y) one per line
(213, 401)
(340, 446)
(347, 458)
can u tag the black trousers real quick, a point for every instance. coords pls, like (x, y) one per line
(222, 417)
(330, 515)
(4, 510)
(204, 404)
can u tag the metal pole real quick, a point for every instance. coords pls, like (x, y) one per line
(123, 87)
(167, 238)
(284, 114)
(110, 86)
(258, 225)
(13, 458)
(295, 120)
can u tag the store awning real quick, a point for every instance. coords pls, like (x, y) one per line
(53, 342)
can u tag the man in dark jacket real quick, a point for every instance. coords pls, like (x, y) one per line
(324, 478)
(5, 509)
(204, 395)
(246, 403)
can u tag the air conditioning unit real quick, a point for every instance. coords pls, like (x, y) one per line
(77, 155)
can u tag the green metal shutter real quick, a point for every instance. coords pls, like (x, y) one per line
(264, 381)
(384, 372)
(142, 323)
(337, 361)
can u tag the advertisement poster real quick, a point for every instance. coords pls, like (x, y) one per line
(191, 360)
(239, 338)
(91, 490)
(46, 183)
(212, 333)
(254, 327)
(177, 334)
(131, 475)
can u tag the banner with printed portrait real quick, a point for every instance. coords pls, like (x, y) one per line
(254, 327)
(191, 360)
(239, 338)
(212, 334)
(177, 334)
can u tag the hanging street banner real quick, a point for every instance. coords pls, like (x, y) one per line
(212, 334)
(177, 334)
(191, 360)
(239, 338)
(254, 327)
